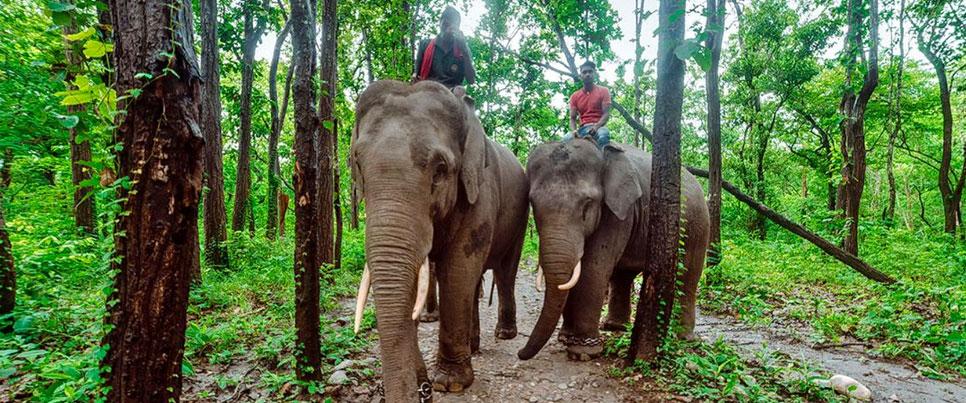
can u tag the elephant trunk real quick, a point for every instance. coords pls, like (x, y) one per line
(558, 258)
(398, 240)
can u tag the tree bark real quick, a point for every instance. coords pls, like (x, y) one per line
(853, 107)
(80, 151)
(8, 274)
(216, 231)
(337, 202)
(5, 170)
(327, 72)
(305, 180)
(843, 256)
(638, 67)
(271, 229)
(715, 28)
(946, 191)
(657, 292)
(282, 212)
(890, 212)
(243, 175)
(162, 155)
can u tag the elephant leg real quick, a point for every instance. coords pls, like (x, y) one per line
(567, 329)
(431, 310)
(475, 335)
(505, 277)
(587, 299)
(457, 296)
(694, 265)
(619, 302)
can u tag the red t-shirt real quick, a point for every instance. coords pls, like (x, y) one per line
(590, 105)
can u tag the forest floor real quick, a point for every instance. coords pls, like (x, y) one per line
(550, 376)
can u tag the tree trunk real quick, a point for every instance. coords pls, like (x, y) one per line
(657, 293)
(853, 126)
(271, 228)
(243, 175)
(715, 28)
(890, 212)
(155, 233)
(337, 254)
(8, 273)
(5, 170)
(305, 180)
(843, 256)
(216, 232)
(282, 212)
(327, 75)
(638, 67)
(946, 192)
(80, 151)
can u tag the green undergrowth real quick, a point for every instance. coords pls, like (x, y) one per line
(241, 315)
(716, 371)
(788, 282)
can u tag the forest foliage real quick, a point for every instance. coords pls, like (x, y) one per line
(783, 76)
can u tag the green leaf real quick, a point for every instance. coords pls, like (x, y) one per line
(677, 14)
(328, 124)
(68, 121)
(75, 97)
(685, 49)
(143, 76)
(59, 7)
(94, 48)
(61, 17)
(702, 56)
(80, 35)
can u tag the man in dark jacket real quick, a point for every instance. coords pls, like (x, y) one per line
(445, 58)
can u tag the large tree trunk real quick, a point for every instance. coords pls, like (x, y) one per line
(715, 26)
(657, 293)
(305, 180)
(327, 74)
(946, 191)
(337, 203)
(216, 232)
(80, 149)
(243, 175)
(8, 273)
(271, 228)
(853, 126)
(163, 157)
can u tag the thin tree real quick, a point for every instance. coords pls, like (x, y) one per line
(939, 26)
(243, 175)
(308, 359)
(890, 212)
(80, 147)
(715, 30)
(216, 232)
(271, 227)
(327, 75)
(657, 292)
(8, 273)
(853, 107)
(162, 156)
(639, 17)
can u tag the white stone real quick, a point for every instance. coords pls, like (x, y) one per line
(338, 378)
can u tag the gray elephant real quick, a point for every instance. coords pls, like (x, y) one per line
(590, 208)
(437, 190)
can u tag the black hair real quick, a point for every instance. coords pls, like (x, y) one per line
(451, 14)
(589, 63)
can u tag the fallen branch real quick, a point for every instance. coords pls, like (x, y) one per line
(837, 345)
(841, 255)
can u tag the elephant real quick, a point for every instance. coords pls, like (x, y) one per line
(590, 207)
(436, 189)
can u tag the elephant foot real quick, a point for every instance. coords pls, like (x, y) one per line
(506, 332)
(427, 316)
(612, 325)
(452, 377)
(563, 336)
(689, 335)
(584, 353)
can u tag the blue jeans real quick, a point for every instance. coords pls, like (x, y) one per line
(602, 137)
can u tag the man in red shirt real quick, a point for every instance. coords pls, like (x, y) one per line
(592, 104)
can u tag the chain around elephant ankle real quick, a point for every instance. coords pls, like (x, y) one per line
(425, 392)
(584, 341)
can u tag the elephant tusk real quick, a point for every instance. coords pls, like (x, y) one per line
(539, 284)
(573, 279)
(422, 290)
(362, 296)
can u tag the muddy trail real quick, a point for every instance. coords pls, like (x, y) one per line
(551, 377)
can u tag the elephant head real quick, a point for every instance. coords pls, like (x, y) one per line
(417, 151)
(571, 183)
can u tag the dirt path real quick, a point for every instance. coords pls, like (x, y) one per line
(889, 381)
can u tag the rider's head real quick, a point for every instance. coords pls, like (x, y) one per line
(449, 23)
(588, 72)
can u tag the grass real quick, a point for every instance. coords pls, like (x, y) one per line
(242, 314)
(922, 318)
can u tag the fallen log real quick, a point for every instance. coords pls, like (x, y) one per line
(829, 248)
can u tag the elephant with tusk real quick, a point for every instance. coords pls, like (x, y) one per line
(590, 208)
(436, 190)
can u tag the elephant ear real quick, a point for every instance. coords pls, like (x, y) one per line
(621, 187)
(474, 152)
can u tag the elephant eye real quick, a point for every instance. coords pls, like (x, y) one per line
(440, 174)
(587, 209)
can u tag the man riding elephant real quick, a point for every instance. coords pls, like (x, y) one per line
(591, 103)
(446, 58)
